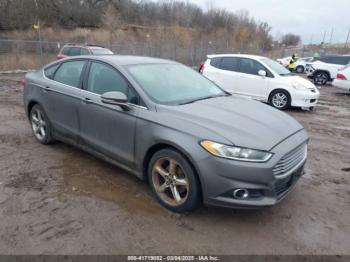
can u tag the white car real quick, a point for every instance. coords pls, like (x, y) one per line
(326, 68)
(260, 78)
(300, 64)
(343, 79)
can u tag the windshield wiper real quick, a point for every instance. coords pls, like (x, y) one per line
(203, 98)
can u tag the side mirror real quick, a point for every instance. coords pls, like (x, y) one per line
(262, 73)
(116, 98)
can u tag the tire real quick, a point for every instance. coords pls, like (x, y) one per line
(177, 190)
(321, 78)
(280, 99)
(300, 69)
(40, 124)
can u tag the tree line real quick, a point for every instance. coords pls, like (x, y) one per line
(238, 30)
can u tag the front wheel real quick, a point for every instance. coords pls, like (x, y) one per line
(300, 69)
(280, 99)
(173, 181)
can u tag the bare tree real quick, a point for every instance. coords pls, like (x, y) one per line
(112, 21)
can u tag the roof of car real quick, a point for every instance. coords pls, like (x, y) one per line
(236, 55)
(122, 60)
(85, 46)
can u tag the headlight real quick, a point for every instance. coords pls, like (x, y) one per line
(236, 153)
(299, 86)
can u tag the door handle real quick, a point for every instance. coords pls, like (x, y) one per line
(87, 100)
(47, 88)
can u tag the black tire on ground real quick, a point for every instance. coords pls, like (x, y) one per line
(321, 78)
(40, 124)
(194, 197)
(280, 99)
(300, 69)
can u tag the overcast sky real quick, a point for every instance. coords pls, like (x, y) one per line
(307, 18)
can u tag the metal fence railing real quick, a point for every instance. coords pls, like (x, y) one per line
(30, 54)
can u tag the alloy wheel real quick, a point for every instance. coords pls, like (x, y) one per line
(170, 181)
(321, 79)
(279, 100)
(38, 124)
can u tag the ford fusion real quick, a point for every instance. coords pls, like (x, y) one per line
(165, 123)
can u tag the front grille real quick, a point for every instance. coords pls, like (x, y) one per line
(282, 185)
(290, 160)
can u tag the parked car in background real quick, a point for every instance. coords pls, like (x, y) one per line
(167, 124)
(78, 49)
(343, 78)
(300, 64)
(326, 68)
(260, 78)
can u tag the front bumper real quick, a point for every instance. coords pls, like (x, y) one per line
(305, 98)
(220, 177)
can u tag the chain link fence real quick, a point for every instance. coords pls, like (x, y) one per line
(29, 54)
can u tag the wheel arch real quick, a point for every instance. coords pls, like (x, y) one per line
(279, 89)
(323, 71)
(168, 145)
(30, 105)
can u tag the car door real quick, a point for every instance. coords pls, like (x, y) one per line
(108, 129)
(62, 95)
(249, 82)
(223, 73)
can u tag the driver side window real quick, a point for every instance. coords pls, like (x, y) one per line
(103, 78)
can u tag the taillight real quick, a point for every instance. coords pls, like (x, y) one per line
(201, 68)
(24, 82)
(341, 76)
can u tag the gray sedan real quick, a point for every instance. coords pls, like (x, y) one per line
(165, 123)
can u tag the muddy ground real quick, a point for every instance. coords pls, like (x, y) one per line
(58, 200)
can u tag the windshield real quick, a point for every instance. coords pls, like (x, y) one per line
(173, 83)
(101, 51)
(276, 67)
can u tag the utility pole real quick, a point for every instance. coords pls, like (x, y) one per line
(324, 36)
(331, 37)
(39, 32)
(347, 39)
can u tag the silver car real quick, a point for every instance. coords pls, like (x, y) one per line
(162, 121)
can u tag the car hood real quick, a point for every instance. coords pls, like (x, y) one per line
(301, 81)
(239, 121)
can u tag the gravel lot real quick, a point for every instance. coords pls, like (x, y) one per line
(58, 200)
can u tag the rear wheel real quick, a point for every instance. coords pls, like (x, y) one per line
(300, 69)
(321, 78)
(173, 181)
(280, 99)
(40, 125)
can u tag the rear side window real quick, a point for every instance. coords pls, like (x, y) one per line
(341, 60)
(66, 50)
(84, 51)
(69, 73)
(50, 71)
(75, 51)
(229, 63)
(215, 62)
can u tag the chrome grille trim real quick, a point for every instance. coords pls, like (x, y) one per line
(290, 162)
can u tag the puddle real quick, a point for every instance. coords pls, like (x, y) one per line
(83, 174)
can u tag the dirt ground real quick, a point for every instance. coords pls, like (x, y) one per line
(58, 200)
